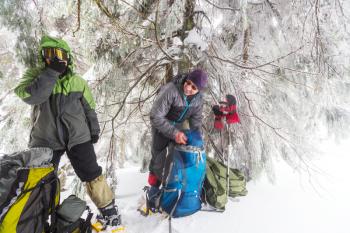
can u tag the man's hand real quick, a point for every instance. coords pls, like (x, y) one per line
(180, 138)
(57, 65)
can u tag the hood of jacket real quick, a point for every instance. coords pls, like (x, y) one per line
(52, 42)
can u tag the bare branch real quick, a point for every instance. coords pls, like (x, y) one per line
(156, 34)
(115, 22)
(221, 7)
(274, 10)
(262, 121)
(258, 66)
(132, 87)
(2, 98)
(78, 28)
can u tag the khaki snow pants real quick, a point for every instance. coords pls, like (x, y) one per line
(100, 192)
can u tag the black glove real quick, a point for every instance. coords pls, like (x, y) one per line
(231, 100)
(217, 111)
(218, 124)
(57, 65)
(94, 138)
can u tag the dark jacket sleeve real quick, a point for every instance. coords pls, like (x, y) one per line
(195, 119)
(89, 109)
(160, 109)
(36, 87)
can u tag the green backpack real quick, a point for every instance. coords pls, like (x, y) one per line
(215, 185)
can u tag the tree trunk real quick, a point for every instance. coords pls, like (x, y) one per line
(188, 24)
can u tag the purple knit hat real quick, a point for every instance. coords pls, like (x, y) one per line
(199, 78)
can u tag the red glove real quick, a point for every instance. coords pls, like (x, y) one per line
(180, 138)
(232, 116)
(230, 110)
(218, 124)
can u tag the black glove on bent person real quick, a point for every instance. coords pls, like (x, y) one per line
(217, 111)
(57, 65)
(94, 138)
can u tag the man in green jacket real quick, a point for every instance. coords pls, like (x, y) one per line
(64, 119)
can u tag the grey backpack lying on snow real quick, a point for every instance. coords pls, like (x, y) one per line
(69, 216)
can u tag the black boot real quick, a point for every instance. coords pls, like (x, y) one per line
(110, 214)
(152, 197)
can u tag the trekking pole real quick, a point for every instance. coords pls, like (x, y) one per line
(222, 145)
(231, 118)
(170, 229)
(228, 160)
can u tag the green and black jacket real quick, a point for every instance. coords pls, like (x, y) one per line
(64, 110)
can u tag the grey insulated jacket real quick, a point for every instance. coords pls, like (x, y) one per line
(63, 113)
(169, 109)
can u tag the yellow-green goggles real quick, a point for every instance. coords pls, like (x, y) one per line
(51, 53)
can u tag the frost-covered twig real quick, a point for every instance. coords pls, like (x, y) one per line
(274, 10)
(254, 67)
(78, 14)
(342, 10)
(140, 13)
(133, 86)
(115, 22)
(39, 12)
(6, 94)
(156, 35)
(221, 7)
(262, 121)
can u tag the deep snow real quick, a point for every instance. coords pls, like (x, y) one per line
(296, 202)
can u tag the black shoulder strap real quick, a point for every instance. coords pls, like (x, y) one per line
(85, 226)
(50, 205)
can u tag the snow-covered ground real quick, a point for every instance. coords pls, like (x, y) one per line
(296, 202)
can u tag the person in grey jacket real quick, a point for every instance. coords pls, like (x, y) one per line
(64, 119)
(176, 102)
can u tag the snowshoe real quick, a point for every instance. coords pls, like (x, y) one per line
(150, 204)
(109, 220)
(100, 225)
(110, 215)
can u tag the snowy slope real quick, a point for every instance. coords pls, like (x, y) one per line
(295, 203)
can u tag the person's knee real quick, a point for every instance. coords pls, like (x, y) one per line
(89, 174)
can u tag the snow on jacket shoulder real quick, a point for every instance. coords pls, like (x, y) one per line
(170, 104)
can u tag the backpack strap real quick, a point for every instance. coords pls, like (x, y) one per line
(179, 196)
(187, 106)
(50, 204)
(85, 226)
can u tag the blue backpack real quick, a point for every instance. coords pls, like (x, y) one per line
(182, 190)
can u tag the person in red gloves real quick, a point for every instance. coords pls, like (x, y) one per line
(176, 102)
(226, 110)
